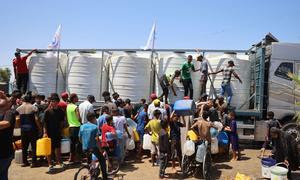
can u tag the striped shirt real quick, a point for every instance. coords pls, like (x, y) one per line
(227, 75)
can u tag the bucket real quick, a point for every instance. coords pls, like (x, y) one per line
(266, 164)
(65, 146)
(43, 147)
(278, 172)
(18, 156)
(223, 138)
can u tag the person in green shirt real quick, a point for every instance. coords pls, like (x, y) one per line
(186, 78)
(74, 120)
(154, 128)
(165, 82)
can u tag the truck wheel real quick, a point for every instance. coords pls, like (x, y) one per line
(293, 129)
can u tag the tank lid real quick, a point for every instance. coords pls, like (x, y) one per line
(179, 52)
(87, 52)
(230, 53)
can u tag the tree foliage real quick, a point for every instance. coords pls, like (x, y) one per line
(296, 79)
(5, 74)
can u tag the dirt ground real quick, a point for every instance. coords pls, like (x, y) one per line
(222, 169)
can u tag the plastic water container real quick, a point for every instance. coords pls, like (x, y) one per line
(201, 151)
(185, 107)
(189, 148)
(43, 147)
(214, 146)
(192, 135)
(278, 172)
(65, 146)
(18, 156)
(109, 136)
(131, 123)
(266, 164)
(147, 142)
(218, 125)
(136, 136)
(223, 138)
(119, 134)
(213, 132)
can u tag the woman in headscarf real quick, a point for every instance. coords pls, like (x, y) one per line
(285, 149)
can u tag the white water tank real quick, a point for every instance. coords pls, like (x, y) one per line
(242, 68)
(42, 73)
(129, 75)
(84, 75)
(168, 64)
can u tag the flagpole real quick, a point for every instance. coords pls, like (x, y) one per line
(152, 89)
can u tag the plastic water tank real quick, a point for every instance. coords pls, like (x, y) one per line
(130, 76)
(242, 68)
(168, 64)
(84, 75)
(42, 73)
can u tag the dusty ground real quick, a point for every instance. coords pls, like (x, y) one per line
(249, 165)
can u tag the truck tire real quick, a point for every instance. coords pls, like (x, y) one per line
(293, 129)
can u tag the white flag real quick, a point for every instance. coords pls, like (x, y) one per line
(151, 38)
(55, 44)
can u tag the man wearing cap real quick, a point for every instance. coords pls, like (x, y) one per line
(21, 71)
(225, 86)
(85, 107)
(64, 101)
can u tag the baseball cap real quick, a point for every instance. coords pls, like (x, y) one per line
(156, 102)
(64, 95)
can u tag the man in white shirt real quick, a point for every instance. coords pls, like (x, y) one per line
(120, 123)
(86, 107)
(157, 105)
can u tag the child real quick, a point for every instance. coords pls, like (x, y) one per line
(164, 146)
(141, 118)
(175, 126)
(88, 136)
(234, 139)
(154, 127)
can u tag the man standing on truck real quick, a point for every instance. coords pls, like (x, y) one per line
(165, 82)
(186, 69)
(21, 71)
(204, 74)
(225, 86)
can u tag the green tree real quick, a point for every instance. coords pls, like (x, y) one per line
(296, 79)
(5, 74)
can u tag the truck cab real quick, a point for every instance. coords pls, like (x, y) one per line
(271, 88)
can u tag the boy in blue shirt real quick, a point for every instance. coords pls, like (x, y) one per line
(102, 119)
(141, 119)
(88, 136)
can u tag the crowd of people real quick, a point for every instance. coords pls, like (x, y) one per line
(107, 129)
(61, 116)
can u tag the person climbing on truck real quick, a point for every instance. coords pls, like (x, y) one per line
(165, 82)
(225, 86)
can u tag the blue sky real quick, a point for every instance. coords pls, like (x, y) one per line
(209, 24)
